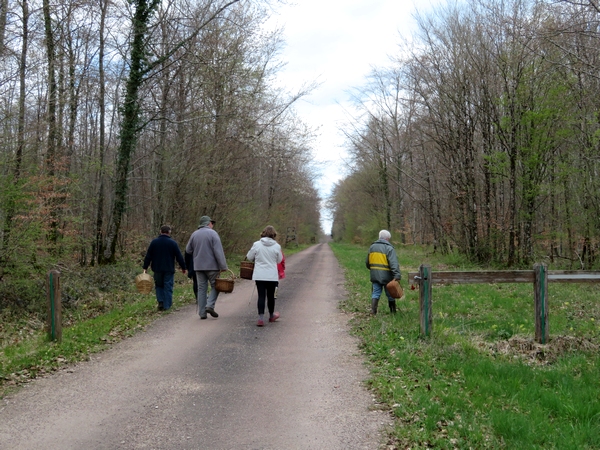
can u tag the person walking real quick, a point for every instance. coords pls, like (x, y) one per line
(266, 254)
(383, 264)
(208, 261)
(160, 256)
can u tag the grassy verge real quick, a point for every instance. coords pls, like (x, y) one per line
(33, 355)
(99, 310)
(480, 381)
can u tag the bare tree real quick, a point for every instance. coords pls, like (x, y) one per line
(139, 68)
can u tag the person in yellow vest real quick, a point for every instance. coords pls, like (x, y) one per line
(383, 264)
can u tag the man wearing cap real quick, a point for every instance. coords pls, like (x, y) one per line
(208, 261)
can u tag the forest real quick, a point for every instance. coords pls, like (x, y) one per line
(481, 136)
(120, 116)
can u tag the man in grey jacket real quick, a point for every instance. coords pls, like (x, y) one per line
(208, 261)
(383, 264)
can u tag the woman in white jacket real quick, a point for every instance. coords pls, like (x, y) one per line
(266, 254)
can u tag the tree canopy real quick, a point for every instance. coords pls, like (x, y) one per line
(482, 136)
(119, 117)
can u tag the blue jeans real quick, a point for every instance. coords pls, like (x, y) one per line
(377, 288)
(204, 278)
(164, 294)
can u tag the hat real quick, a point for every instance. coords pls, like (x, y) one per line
(204, 221)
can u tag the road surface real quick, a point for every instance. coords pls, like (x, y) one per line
(217, 384)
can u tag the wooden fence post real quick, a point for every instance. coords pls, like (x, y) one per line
(541, 302)
(54, 325)
(425, 303)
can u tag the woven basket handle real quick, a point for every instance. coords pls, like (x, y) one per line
(230, 271)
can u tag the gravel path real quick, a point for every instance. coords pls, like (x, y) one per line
(215, 384)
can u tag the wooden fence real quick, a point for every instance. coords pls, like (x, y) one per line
(540, 276)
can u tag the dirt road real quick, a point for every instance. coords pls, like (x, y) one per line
(221, 383)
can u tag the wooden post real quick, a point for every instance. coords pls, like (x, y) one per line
(541, 302)
(54, 325)
(425, 302)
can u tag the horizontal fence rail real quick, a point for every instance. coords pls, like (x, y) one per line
(507, 276)
(539, 277)
(494, 276)
(573, 276)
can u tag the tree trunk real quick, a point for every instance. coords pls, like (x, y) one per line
(129, 124)
(73, 99)
(97, 245)
(53, 131)
(512, 208)
(22, 93)
(158, 177)
(10, 210)
(3, 14)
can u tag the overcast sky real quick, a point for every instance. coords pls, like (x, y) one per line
(336, 43)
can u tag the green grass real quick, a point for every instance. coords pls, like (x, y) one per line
(33, 355)
(479, 380)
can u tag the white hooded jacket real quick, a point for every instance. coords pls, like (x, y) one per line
(266, 254)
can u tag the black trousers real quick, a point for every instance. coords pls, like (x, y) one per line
(195, 287)
(266, 289)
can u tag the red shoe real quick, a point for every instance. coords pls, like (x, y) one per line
(274, 318)
(260, 323)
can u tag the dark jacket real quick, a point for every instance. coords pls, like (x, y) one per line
(162, 253)
(189, 262)
(383, 262)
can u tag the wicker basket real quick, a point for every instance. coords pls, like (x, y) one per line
(225, 285)
(144, 283)
(395, 289)
(246, 270)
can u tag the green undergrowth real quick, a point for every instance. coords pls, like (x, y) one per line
(480, 380)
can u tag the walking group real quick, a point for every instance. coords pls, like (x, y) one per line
(203, 262)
